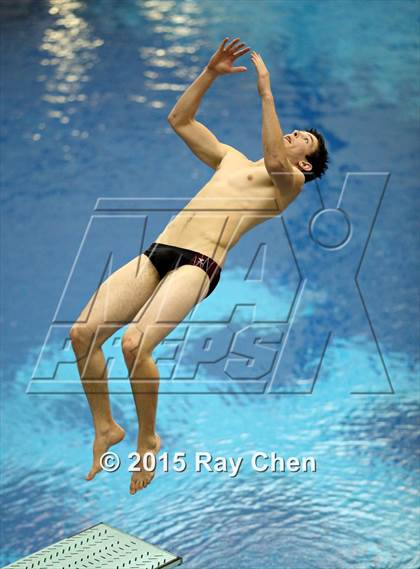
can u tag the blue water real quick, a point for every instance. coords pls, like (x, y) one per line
(86, 88)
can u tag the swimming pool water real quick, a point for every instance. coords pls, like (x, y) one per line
(86, 90)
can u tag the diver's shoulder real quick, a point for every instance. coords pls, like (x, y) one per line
(233, 151)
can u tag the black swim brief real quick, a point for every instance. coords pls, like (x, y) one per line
(168, 257)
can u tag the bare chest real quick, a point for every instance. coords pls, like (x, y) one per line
(239, 185)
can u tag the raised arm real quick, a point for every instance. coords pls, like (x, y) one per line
(199, 138)
(284, 175)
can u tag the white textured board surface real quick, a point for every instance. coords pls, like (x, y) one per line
(99, 547)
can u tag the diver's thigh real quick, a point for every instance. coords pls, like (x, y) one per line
(119, 298)
(178, 292)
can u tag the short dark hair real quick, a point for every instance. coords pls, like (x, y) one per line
(318, 159)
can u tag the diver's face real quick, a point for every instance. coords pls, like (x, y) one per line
(300, 144)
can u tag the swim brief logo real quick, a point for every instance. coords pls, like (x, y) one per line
(202, 262)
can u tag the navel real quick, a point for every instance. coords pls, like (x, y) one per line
(250, 177)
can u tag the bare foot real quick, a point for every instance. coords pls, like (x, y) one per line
(140, 480)
(101, 444)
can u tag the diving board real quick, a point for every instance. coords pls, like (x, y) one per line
(99, 547)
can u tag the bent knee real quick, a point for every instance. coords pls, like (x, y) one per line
(81, 336)
(132, 346)
(130, 343)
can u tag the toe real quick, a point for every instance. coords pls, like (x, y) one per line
(93, 471)
(133, 487)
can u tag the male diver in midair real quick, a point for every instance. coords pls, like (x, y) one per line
(156, 290)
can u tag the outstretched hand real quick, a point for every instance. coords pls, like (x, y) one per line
(222, 61)
(263, 76)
